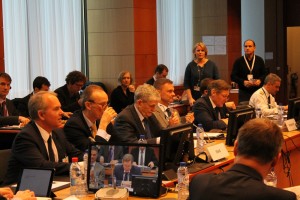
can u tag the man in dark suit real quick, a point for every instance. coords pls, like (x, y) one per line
(138, 119)
(111, 154)
(124, 172)
(79, 129)
(40, 83)
(210, 110)
(257, 150)
(40, 144)
(144, 156)
(9, 115)
(161, 71)
(68, 94)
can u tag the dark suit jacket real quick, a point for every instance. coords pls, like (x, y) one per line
(118, 153)
(78, 132)
(119, 101)
(206, 115)
(29, 150)
(68, 104)
(128, 127)
(23, 105)
(149, 155)
(150, 81)
(13, 118)
(240, 182)
(119, 171)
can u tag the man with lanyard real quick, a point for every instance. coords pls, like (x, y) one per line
(248, 71)
(264, 99)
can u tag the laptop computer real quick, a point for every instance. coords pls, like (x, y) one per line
(102, 174)
(37, 180)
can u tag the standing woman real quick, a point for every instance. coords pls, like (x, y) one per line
(198, 69)
(123, 95)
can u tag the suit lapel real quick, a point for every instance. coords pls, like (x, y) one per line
(212, 110)
(139, 124)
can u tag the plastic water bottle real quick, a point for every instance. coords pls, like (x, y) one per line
(183, 181)
(271, 179)
(258, 112)
(200, 138)
(142, 140)
(280, 115)
(77, 186)
(85, 167)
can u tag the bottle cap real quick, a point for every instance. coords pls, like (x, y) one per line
(142, 137)
(182, 163)
(199, 125)
(75, 159)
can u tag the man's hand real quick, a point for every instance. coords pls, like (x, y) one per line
(6, 192)
(190, 117)
(23, 121)
(25, 195)
(108, 115)
(67, 114)
(151, 164)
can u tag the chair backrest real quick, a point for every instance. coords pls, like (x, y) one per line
(4, 158)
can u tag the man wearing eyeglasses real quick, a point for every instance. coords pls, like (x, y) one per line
(210, 110)
(93, 121)
(9, 115)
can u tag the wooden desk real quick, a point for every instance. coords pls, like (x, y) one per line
(7, 137)
(292, 143)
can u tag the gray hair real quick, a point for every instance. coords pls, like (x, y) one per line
(37, 102)
(146, 93)
(127, 157)
(272, 78)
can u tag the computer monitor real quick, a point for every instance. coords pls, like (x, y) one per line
(294, 109)
(142, 180)
(178, 145)
(236, 119)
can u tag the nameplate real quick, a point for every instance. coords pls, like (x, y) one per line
(290, 125)
(217, 151)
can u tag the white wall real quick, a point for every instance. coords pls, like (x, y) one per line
(253, 24)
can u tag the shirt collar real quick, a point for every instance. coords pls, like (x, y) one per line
(162, 107)
(212, 103)
(139, 114)
(266, 91)
(89, 123)
(45, 135)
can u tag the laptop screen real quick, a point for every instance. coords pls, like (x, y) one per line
(126, 166)
(37, 180)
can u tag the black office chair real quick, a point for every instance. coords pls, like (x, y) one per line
(4, 158)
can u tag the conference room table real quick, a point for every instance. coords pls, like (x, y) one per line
(287, 169)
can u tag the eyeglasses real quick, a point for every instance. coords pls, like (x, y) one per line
(99, 104)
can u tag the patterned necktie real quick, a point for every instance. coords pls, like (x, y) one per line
(50, 150)
(169, 113)
(94, 130)
(4, 109)
(147, 128)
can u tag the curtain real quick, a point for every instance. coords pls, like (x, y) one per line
(41, 38)
(175, 36)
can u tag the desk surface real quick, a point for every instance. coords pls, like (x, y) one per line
(62, 194)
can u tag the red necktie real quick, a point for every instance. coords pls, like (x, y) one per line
(4, 109)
